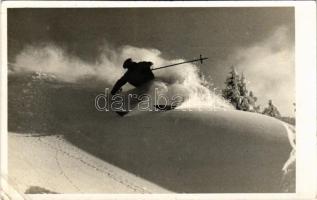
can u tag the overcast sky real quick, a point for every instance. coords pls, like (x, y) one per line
(228, 36)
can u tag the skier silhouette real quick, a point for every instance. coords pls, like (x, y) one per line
(137, 75)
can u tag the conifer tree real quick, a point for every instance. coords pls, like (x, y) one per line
(243, 86)
(271, 110)
(252, 102)
(231, 92)
(244, 100)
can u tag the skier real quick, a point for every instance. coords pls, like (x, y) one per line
(137, 75)
(140, 76)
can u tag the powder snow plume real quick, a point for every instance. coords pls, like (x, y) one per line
(183, 80)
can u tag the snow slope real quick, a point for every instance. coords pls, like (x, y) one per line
(51, 163)
(74, 148)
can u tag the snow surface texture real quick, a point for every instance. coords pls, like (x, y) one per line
(52, 163)
(229, 151)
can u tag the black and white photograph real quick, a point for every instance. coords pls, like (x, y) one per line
(151, 100)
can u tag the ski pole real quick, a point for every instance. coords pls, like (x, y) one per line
(190, 61)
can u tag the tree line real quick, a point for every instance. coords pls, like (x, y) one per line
(236, 92)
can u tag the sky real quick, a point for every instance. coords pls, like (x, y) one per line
(257, 41)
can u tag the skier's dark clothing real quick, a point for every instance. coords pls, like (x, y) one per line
(137, 75)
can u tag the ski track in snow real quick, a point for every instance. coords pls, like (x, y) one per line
(61, 169)
(105, 171)
(84, 160)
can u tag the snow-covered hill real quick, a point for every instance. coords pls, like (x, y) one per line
(177, 151)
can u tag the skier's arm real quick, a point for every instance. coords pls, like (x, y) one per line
(123, 80)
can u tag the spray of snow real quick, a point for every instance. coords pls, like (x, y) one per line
(184, 80)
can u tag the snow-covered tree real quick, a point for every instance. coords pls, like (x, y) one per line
(237, 93)
(252, 102)
(271, 110)
(244, 100)
(243, 86)
(231, 92)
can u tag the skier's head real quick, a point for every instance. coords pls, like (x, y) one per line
(128, 63)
